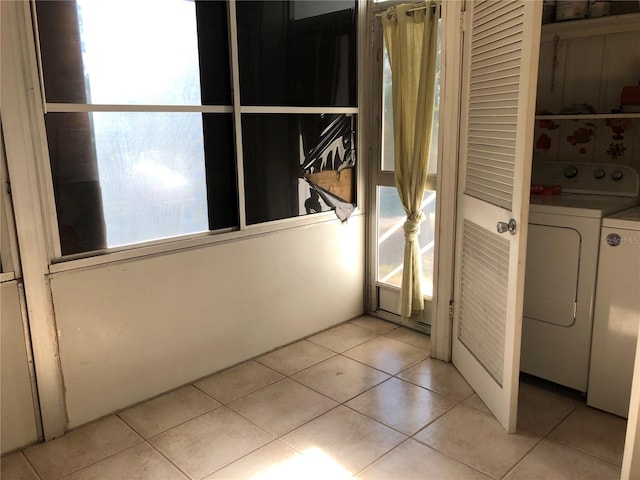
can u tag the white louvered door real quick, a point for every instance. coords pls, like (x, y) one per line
(501, 43)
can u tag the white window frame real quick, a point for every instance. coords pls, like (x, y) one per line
(8, 243)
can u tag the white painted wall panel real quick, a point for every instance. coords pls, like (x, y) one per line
(131, 330)
(17, 414)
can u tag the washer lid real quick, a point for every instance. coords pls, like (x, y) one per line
(578, 205)
(629, 219)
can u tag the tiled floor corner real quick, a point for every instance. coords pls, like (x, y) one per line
(361, 400)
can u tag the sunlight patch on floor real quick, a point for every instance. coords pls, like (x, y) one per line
(314, 463)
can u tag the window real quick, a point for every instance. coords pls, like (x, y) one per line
(145, 140)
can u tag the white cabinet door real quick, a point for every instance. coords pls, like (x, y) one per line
(500, 58)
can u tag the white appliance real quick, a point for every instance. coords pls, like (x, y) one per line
(562, 261)
(617, 313)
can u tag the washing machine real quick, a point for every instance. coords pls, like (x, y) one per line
(617, 313)
(562, 261)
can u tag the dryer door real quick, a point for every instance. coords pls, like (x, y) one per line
(551, 277)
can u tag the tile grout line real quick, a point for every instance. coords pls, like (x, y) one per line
(278, 438)
(339, 403)
(21, 452)
(285, 376)
(529, 452)
(120, 450)
(153, 447)
(447, 454)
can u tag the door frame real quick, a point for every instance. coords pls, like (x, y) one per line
(438, 313)
(447, 180)
(21, 100)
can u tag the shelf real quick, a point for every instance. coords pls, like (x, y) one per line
(588, 116)
(628, 22)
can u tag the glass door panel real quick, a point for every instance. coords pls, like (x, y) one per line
(390, 220)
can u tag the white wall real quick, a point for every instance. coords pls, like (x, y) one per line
(134, 329)
(17, 412)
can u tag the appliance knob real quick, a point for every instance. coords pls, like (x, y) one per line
(617, 175)
(599, 173)
(613, 239)
(570, 171)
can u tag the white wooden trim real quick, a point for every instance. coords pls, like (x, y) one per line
(7, 276)
(385, 179)
(23, 172)
(36, 110)
(40, 70)
(372, 85)
(237, 118)
(450, 77)
(298, 110)
(588, 116)
(363, 109)
(96, 107)
(629, 22)
(11, 258)
(197, 240)
(24, 313)
(363, 135)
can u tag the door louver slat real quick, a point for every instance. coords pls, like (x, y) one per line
(491, 9)
(493, 99)
(482, 297)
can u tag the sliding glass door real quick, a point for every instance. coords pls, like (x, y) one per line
(387, 238)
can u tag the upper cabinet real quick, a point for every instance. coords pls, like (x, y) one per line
(584, 66)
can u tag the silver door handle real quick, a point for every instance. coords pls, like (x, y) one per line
(510, 227)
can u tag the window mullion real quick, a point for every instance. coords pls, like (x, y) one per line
(237, 115)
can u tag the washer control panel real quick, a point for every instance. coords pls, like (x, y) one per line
(587, 178)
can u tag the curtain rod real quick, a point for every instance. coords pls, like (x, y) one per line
(411, 10)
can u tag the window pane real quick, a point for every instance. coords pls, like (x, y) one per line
(133, 52)
(391, 217)
(220, 159)
(141, 174)
(297, 53)
(387, 161)
(297, 164)
(213, 43)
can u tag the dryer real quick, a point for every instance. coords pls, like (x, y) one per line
(562, 261)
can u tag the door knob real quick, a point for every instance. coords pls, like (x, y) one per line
(507, 227)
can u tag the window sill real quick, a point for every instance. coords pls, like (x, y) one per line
(198, 240)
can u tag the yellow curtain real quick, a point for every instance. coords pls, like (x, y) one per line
(411, 35)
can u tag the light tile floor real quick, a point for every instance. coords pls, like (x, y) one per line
(361, 400)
